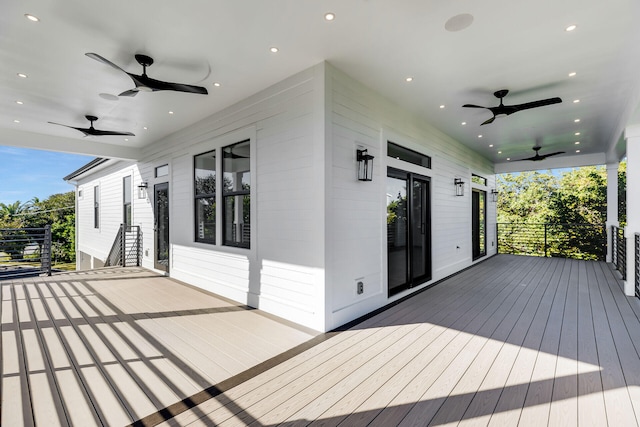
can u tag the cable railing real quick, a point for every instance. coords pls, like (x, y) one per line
(126, 248)
(25, 252)
(576, 241)
(619, 250)
(637, 264)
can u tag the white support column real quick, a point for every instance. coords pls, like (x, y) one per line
(612, 204)
(632, 136)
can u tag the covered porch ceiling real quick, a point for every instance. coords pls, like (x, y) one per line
(455, 52)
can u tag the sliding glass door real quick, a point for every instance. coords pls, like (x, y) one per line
(408, 230)
(479, 223)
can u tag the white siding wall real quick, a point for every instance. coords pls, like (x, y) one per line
(283, 272)
(98, 241)
(357, 210)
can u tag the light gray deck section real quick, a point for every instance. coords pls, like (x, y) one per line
(110, 346)
(511, 341)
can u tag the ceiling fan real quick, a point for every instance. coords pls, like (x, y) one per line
(93, 131)
(510, 109)
(539, 156)
(145, 83)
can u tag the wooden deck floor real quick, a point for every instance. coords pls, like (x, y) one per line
(511, 341)
(111, 346)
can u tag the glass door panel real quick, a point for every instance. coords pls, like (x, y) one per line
(479, 223)
(161, 211)
(408, 230)
(397, 239)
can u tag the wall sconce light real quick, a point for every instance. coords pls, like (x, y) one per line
(494, 195)
(365, 165)
(142, 190)
(459, 184)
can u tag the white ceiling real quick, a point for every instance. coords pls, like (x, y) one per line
(516, 45)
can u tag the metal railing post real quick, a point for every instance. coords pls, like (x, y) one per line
(545, 240)
(46, 250)
(123, 245)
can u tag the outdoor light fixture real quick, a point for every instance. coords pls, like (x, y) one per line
(459, 184)
(142, 190)
(365, 165)
(494, 195)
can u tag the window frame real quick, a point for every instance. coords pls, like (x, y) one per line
(127, 206)
(233, 194)
(96, 206)
(197, 197)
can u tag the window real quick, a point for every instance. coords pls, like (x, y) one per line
(477, 179)
(401, 153)
(96, 207)
(162, 171)
(236, 194)
(126, 201)
(205, 196)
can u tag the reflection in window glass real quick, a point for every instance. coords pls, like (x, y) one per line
(205, 196)
(236, 193)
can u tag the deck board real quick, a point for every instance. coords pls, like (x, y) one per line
(78, 349)
(512, 341)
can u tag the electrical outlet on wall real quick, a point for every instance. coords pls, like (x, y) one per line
(360, 286)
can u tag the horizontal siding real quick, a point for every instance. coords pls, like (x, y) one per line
(282, 272)
(357, 241)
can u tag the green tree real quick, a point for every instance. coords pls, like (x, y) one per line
(525, 197)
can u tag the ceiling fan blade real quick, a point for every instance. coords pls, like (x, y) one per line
(104, 61)
(486, 122)
(158, 85)
(98, 132)
(535, 104)
(86, 131)
(131, 92)
(544, 156)
(472, 106)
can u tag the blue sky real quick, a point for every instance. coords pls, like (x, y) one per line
(26, 174)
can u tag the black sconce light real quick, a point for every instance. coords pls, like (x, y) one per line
(459, 184)
(494, 195)
(365, 165)
(142, 190)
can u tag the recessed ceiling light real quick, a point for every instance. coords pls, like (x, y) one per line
(577, 151)
(170, 112)
(499, 152)
(216, 84)
(577, 142)
(479, 136)
(490, 145)
(464, 123)
(571, 28)
(126, 139)
(22, 75)
(145, 128)
(577, 120)
(572, 74)
(575, 101)
(31, 17)
(408, 79)
(442, 106)
(16, 121)
(274, 49)
(19, 102)
(508, 158)
(329, 16)
(577, 133)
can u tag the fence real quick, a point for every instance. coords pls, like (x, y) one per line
(126, 248)
(25, 251)
(577, 241)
